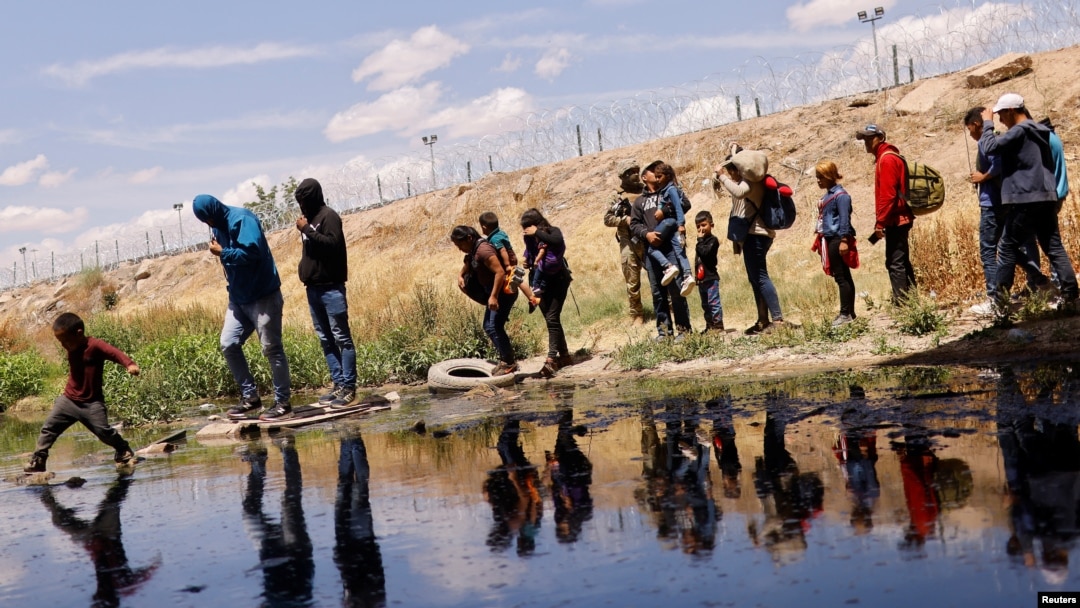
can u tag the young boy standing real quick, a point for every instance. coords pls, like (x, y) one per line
(708, 279)
(83, 399)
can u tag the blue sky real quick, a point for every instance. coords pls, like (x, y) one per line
(115, 111)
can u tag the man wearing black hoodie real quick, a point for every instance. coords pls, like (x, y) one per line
(323, 270)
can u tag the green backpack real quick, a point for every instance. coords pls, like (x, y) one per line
(925, 187)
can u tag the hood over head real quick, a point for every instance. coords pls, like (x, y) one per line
(310, 198)
(210, 210)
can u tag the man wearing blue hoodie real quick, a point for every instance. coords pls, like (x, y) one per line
(1029, 191)
(255, 302)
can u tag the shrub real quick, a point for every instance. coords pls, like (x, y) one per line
(21, 375)
(918, 315)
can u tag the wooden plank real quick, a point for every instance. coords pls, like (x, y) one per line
(312, 414)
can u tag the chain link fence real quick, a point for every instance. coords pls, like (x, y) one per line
(957, 37)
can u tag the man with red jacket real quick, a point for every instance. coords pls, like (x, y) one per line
(893, 216)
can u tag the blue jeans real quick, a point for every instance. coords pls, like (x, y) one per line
(661, 294)
(710, 302)
(329, 308)
(1022, 221)
(754, 249)
(264, 317)
(495, 326)
(668, 230)
(991, 223)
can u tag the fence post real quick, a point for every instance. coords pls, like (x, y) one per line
(757, 106)
(468, 170)
(97, 255)
(579, 150)
(378, 182)
(14, 274)
(491, 167)
(599, 139)
(117, 241)
(911, 69)
(52, 273)
(408, 186)
(82, 263)
(738, 108)
(147, 243)
(895, 67)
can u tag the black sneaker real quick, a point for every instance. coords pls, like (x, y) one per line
(125, 458)
(239, 411)
(281, 411)
(344, 398)
(36, 464)
(331, 396)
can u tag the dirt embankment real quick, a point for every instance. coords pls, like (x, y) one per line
(395, 246)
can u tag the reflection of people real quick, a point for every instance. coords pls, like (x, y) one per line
(1042, 475)
(83, 399)
(101, 538)
(856, 451)
(513, 489)
(918, 463)
(324, 269)
(356, 553)
(255, 303)
(678, 488)
(631, 249)
(570, 474)
(285, 552)
(789, 498)
(724, 449)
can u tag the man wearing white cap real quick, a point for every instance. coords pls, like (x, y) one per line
(1029, 193)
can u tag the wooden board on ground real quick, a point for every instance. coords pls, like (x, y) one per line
(302, 416)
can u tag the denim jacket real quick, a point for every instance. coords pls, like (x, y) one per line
(835, 214)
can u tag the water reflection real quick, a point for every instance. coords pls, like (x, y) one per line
(356, 552)
(856, 452)
(513, 489)
(101, 538)
(569, 472)
(677, 489)
(285, 551)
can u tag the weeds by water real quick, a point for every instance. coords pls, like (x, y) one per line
(22, 374)
(919, 315)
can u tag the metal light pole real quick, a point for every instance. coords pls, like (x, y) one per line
(22, 250)
(429, 141)
(179, 207)
(879, 12)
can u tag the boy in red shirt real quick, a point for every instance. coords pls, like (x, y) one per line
(83, 399)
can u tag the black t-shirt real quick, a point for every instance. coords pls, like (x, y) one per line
(707, 249)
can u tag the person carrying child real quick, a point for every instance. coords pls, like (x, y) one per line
(545, 248)
(708, 279)
(83, 399)
(497, 238)
(671, 225)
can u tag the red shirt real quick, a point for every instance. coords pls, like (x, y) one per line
(87, 364)
(889, 189)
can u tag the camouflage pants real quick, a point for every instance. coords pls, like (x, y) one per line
(631, 268)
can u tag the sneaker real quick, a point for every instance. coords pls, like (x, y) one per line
(124, 457)
(503, 368)
(240, 410)
(841, 320)
(687, 287)
(670, 273)
(774, 327)
(330, 396)
(549, 368)
(983, 309)
(281, 411)
(756, 328)
(564, 361)
(679, 337)
(36, 464)
(344, 398)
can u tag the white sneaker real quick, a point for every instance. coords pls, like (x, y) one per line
(983, 309)
(670, 273)
(687, 287)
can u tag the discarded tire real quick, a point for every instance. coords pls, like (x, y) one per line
(464, 374)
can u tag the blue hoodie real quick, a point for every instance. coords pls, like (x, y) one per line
(245, 254)
(1027, 165)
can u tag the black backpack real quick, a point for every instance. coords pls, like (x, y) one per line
(777, 206)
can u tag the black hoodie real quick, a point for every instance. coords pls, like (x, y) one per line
(324, 260)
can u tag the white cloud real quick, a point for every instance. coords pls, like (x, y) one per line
(817, 13)
(394, 111)
(404, 61)
(41, 219)
(53, 179)
(199, 132)
(509, 64)
(483, 115)
(10, 136)
(702, 114)
(81, 72)
(25, 172)
(553, 63)
(244, 191)
(145, 175)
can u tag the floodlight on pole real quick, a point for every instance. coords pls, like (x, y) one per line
(180, 218)
(429, 141)
(22, 250)
(879, 12)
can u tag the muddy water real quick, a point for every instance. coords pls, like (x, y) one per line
(913, 487)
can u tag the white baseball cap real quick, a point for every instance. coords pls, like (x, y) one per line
(1009, 101)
